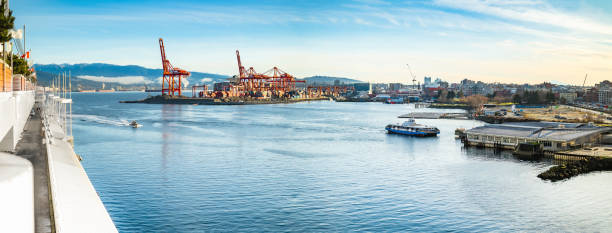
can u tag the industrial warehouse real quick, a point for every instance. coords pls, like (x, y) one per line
(553, 136)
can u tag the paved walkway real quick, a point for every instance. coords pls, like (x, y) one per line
(597, 151)
(30, 147)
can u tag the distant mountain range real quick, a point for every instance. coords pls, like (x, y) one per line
(555, 82)
(129, 75)
(92, 75)
(330, 80)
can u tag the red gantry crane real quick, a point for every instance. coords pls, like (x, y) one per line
(282, 81)
(169, 83)
(250, 79)
(273, 80)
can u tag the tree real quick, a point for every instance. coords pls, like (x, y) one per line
(533, 97)
(500, 99)
(476, 101)
(7, 22)
(460, 94)
(516, 98)
(450, 95)
(550, 97)
(442, 96)
(20, 66)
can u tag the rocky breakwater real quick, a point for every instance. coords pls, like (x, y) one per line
(574, 168)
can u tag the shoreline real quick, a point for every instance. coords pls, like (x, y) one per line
(575, 168)
(159, 99)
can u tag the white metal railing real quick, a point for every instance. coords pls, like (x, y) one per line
(76, 204)
(58, 107)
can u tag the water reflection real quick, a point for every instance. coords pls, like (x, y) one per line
(170, 115)
(317, 167)
(485, 153)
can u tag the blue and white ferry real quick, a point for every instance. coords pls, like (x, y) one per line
(411, 128)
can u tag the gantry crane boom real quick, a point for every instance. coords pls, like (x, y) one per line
(241, 70)
(170, 73)
(163, 55)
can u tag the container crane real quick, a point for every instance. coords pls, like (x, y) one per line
(169, 83)
(282, 81)
(250, 80)
(275, 81)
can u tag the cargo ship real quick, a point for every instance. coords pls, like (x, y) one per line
(411, 128)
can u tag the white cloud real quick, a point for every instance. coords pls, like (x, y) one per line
(125, 80)
(534, 11)
(363, 22)
(506, 43)
(17, 34)
(373, 2)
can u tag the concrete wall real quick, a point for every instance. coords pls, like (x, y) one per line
(16, 194)
(7, 120)
(24, 101)
(15, 109)
(76, 204)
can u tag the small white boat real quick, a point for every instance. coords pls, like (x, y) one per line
(135, 124)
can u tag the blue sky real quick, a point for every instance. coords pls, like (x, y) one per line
(372, 40)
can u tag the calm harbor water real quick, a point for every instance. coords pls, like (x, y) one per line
(318, 166)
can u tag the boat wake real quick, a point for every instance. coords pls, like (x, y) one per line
(101, 120)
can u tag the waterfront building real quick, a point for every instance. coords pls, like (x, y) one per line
(395, 86)
(591, 95)
(553, 136)
(570, 97)
(410, 94)
(362, 86)
(467, 82)
(382, 97)
(604, 84)
(604, 96)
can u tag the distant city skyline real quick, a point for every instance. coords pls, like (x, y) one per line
(514, 41)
